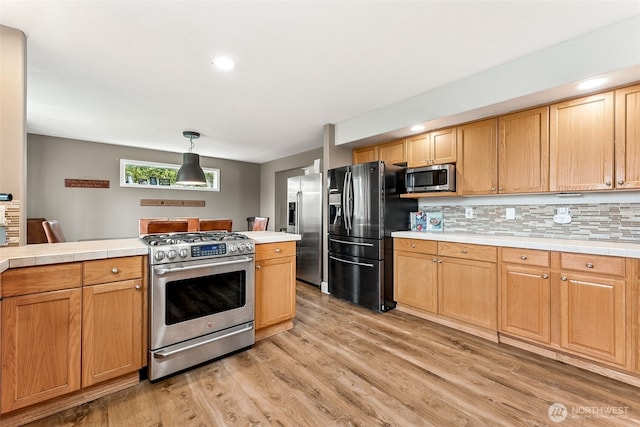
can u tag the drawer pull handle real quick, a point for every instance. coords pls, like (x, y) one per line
(563, 278)
(589, 265)
(258, 267)
(464, 251)
(413, 245)
(545, 276)
(434, 260)
(608, 183)
(439, 261)
(138, 287)
(114, 270)
(523, 257)
(278, 250)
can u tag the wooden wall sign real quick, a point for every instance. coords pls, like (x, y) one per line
(86, 183)
(165, 202)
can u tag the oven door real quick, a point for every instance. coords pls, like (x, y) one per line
(196, 298)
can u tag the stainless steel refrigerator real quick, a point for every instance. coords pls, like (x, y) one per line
(364, 208)
(304, 204)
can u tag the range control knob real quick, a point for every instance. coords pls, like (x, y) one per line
(171, 254)
(232, 248)
(241, 247)
(159, 255)
(249, 246)
(183, 253)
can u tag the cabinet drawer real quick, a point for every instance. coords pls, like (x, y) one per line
(525, 257)
(112, 270)
(275, 250)
(32, 280)
(416, 245)
(599, 264)
(466, 251)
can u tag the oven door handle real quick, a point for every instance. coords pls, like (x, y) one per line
(166, 353)
(160, 271)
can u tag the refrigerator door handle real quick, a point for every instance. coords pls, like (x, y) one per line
(364, 264)
(298, 208)
(345, 207)
(351, 243)
(349, 199)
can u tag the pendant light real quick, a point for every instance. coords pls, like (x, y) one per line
(190, 172)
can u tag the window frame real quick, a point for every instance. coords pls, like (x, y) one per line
(215, 172)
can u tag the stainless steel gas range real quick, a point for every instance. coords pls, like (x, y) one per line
(201, 298)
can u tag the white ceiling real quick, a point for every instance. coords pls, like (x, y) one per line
(138, 73)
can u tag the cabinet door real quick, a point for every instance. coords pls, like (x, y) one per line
(627, 137)
(467, 291)
(416, 280)
(477, 158)
(443, 146)
(523, 152)
(593, 317)
(40, 347)
(581, 144)
(418, 151)
(365, 155)
(111, 330)
(275, 291)
(393, 152)
(525, 302)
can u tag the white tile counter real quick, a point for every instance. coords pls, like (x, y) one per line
(55, 253)
(629, 250)
(270, 236)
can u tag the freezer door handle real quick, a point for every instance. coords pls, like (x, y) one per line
(364, 264)
(351, 243)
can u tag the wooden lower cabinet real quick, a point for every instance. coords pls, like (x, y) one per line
(111, 330)
(416, 280)
(593, 317)
(40, 347)
(525, 294)
(467, 291)
(275, 293)
(60, 337)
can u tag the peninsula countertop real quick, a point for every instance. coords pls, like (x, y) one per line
(595, 247)
(56, 253)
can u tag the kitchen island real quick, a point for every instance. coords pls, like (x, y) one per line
(81, 309)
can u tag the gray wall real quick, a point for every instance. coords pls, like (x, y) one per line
(268, 189)
(114, 212)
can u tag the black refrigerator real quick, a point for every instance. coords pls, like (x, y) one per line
(364, 208)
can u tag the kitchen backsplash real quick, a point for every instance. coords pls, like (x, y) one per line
(603, 221)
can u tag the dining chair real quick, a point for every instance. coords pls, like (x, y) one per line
(167, 226)
(257, 223)
(53, 231)
(215, 224)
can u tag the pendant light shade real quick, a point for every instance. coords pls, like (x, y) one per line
(190, 172)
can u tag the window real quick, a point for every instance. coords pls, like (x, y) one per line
(138, 174)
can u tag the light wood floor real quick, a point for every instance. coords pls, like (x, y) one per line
(346, 366)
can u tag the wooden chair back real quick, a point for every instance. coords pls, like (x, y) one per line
(53, 231)
(257, 223)
(216, 224)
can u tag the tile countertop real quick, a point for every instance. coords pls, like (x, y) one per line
(55, 253)
(270, 236)
(596, 247)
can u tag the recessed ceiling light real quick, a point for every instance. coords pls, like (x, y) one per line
(591, 83)
(416, 128)
(223, 62)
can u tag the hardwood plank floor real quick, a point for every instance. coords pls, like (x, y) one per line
(346, 366)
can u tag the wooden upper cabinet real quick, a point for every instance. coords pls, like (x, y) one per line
(581, 144)
(433, 148)
(523, 152)
(477, 158)
(365, 154)
(627, 137)
(393, 152)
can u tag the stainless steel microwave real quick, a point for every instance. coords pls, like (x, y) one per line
(431, 178)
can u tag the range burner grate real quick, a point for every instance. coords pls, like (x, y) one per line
(191, 237)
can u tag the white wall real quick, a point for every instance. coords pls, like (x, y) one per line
(87, 213)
